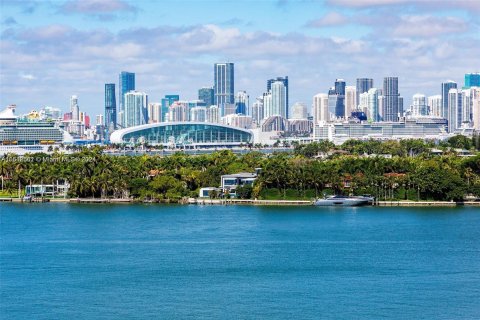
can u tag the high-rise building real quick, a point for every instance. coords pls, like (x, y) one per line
(110, 106)
(166, 103)
(391, 110)
(198, 114)
(207, 95)
(332, 103)
(340, 103)
(320, 108)
(475, 96)
(446, 86)
(284, 80)
(179, 111)
(363, 85)
(419, 107)
(299, 111)
(242, 103)
(267, 105)
(213, 114)
(435, 105)
(74, 108)
(350, 100)
(224, 85)
(466, 107)
(373, 114)
(126, 83)
(99, 120)
(279, 96)
(455, 108)
(135, 109)
(257, 110)
(472, 80)
(154, 112)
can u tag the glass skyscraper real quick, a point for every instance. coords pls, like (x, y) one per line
(472, 80)
(207, 95)
(110, 106)
(285, 83)
(224, 85)
(446, 86)
(167, 102)
(391, 108)
(363, 85)
(126, 83)
(340, 92)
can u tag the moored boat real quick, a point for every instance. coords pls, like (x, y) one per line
(343, 201)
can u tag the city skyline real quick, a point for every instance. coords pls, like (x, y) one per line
(52, 50)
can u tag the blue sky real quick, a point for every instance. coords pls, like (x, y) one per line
(53, 49)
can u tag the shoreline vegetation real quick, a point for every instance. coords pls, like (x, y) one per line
(394, 172)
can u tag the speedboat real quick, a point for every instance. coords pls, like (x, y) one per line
(343, 201)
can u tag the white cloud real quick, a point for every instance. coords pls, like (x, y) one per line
(27, 76)
(328, 20)
(428, 26)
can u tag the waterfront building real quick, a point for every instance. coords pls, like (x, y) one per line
(154, 112)
(472, 80)
(166, 103)
(435, 105)
(257, 110)
(419, 107)
(110, 106)
(126, 83)
(224, 85)
(135, 108)
(475, 96)
(198, 114)
(391, 109)
(363, 85)
(213, 114)
(350, 100)
(175, 134)
(279, 96)
(466, 107)
(299, 111)
(74, 108)
(320, 108)
(242, 104)
(207, 95)
(446, 86)
(267, 105)
(455, 108)
(372, 105)
(284, 80)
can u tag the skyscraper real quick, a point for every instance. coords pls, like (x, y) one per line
(391, 109)
(299, 111)
(350, 100)
(446, 86)
(257, 110)
(455, 108)
(74, 108)
(110, 106)
(135, 109)
(340, 92)
(285, 83)
(224, 85)
(472, 80)
(126, 83)
(363, 85)
(166, 103)
(320, 108)
(207, 95)
(372, 105)
(435, 105)
(279, 96)
(419, 105)
(242, 103)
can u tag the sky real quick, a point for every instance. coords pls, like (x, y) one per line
(52, 49)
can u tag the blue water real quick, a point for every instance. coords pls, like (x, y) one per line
(61, 261)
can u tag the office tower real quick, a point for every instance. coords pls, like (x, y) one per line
(267, 105)
(284, 80)
(363, 85)
(99, 120)
(446, 86)
(381, 103)
(320, 108)
(363, 103)
(166, 103)
(372, 105)
(400, 106)
(332, 103)
(126, 83)
(135, 108)
(475, 96)
(74, 108)
(279, 96)
(340, 92)
(466, 106)
(179, 111)
(419, 105)
(435, 105)
(224, 85)
(198, 114)
(299, 111)
(154, 112)
(110, 107)
(350, 100)
(455, 108)
(242, 103)
(207, 95)
(257, 110)
(213, 114)
(472, 80)
(391, 110)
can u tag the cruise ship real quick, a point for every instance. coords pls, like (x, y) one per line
(21, 135)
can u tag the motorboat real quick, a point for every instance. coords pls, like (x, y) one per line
(344, 201)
